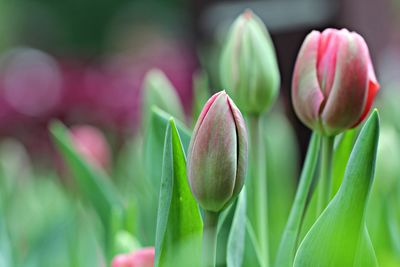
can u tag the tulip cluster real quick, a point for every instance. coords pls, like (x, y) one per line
(221, 193)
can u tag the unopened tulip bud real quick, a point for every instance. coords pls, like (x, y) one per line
(139, 258)
(334, 83)
(249, 69)
(217, 156)
(91, 145)
(158, 91)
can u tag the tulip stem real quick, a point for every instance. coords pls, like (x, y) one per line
(257, 180)
(325, 173)
(210, 238)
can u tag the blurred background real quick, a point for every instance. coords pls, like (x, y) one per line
(84, 61)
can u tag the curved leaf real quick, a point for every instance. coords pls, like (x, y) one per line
(94, 184)
(340, 158)
(338, 237)
(179, 223)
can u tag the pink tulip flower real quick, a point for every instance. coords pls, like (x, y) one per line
(140, 258)
(334, 83)
(92, 145)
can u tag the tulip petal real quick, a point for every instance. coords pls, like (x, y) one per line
(307, 96)
(242, 147)
(326, 65)
(140, 258)
(345, 103)
(373, 85)
(201, 117)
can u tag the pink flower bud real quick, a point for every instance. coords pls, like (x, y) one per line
(91, 144)
(140, 258)
(217, 156)
(334, 83)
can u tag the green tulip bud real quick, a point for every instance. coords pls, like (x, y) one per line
(249, 69)
(158, 91)
(217, 155)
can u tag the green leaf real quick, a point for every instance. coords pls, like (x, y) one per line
(154, 143)
(339, 238)
(93, 183)
(252, 255)
(224, 228)
(179, 223)
(287, 247)
(237, 234)
(341, 156)
(153, 161)
(232, 233)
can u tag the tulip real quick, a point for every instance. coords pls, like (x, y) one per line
(91, 145)
(140, 258)
(334, 83)
(217, 157)
(249, 69)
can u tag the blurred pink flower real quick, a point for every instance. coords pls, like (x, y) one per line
(140, 258)
(36, 87)
(92, 145)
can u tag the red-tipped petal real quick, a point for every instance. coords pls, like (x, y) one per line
(373, 85)
(348, 95)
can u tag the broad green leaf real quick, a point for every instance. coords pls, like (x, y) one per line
(93, 183)
(153, 161)
(287, 247)
(339, 238)
(341, 156)
(179, 223)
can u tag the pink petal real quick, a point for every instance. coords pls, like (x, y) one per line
(307, 96)
(326, 63)
(140, 258)
(373, 85)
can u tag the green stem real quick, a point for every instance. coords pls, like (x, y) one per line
(258, 214)
(210, 238)
(287, 246)
(324, 187)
